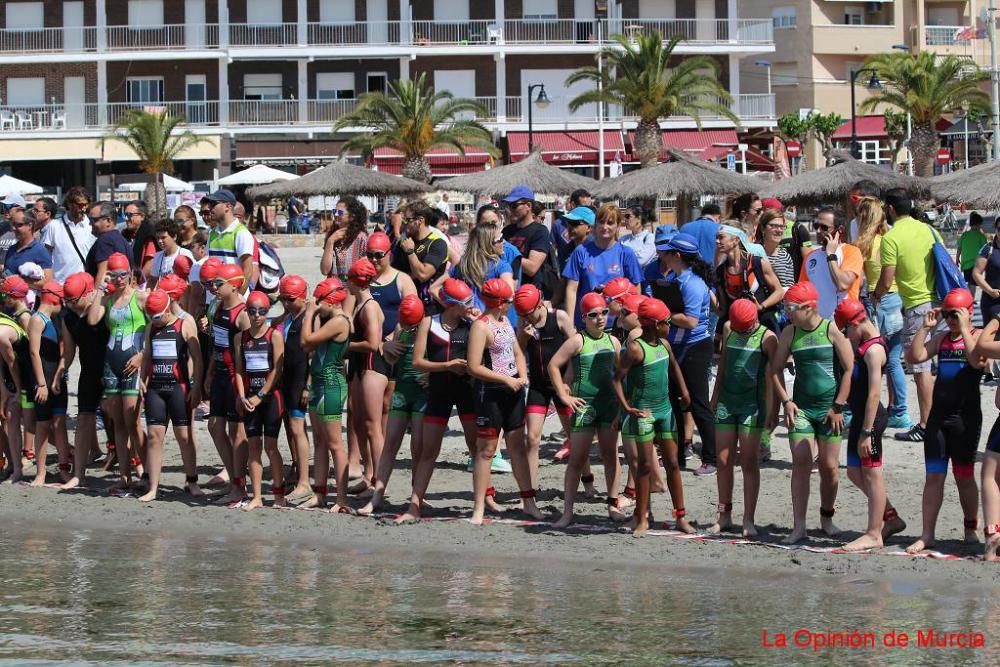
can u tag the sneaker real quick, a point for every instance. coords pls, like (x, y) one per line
(688, 451)
(901, 421)
(499, 464)
(705, 470)
(915, 434)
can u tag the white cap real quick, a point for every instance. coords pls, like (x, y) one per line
(31, 271)
(14, 199)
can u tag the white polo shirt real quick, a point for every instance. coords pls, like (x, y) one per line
(56, 237)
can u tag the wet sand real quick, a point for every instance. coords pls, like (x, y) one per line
(593, 538)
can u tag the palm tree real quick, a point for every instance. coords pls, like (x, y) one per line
(637, 77)
(412, 119)
(928, 86)
(153, 137)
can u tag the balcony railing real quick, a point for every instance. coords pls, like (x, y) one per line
(943, 35)
(91, 116)
(169, 37)
(329, 111)
(746, 107)
(263, 112)
(48, 40)
(263, 34)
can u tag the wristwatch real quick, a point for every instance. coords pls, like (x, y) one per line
(870, 432)
(832, 258)
(838, 408)
(261, 394)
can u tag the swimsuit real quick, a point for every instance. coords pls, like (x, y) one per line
(742, 403)
(222, 402)
(817, 374)
(647, 388)
(295, 376)
(497, 407)
(329, 386)
(168, 381)
(543, 345)
(127, 327)
(858, 401)
(956, 418)
(409, 397)
(258, 361)
(593, 374)
(446, 390)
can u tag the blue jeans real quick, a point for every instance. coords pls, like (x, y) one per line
(890, 322)
(295, 224)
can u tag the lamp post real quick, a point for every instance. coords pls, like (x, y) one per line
(873, 84)
(767, 64)
(542, 101)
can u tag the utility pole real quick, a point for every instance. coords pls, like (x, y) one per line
(994, 79)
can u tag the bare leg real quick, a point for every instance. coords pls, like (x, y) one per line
(277, 470)
(113, 406)
(84, 441)
(521, 467)
(968, 496)
(485, 449)
(396, 430)
(802, 460)
(137, 440)
(750, 464)
(990, 480)
(423, 468)
(645, 458)
(869, 479)
(533, 423)
(238, 436)
(298, 443)
(925, 390)
(829, 482)
(607, 443)
(189, 457)
(321, 463)
(372, 397)
(14, 439)
(579, 450)
(670, 452)
(154, 460)
(220, 437)
(42, 429)
(725, 443)
(255, 463)
(355, 429)
(340, 462)
(61, 439)
(931, 506)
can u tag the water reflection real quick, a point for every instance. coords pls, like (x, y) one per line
(153, 598)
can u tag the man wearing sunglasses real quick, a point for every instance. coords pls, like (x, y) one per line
(421, 253)
(531, 239)
(26, 248)
(834, 267)
(108, 240)
(230, 240)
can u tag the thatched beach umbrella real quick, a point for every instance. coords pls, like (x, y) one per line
(977, 187)
(682, 176)
(532, 171)
(831, 184)
(341, 178)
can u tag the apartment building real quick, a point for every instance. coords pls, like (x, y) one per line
(266, 80)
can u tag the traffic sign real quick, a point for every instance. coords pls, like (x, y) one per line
(943, 156)
(793, 148)
(731, 162)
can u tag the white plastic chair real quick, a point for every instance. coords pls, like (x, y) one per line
(493, 33)
(8, 121)
(59, 119)
(24, 121)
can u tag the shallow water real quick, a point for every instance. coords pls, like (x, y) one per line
(104, 597)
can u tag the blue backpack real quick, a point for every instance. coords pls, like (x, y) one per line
(947, 275)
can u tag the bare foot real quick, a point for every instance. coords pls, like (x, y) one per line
(235, 493)
(589, 490)
(685, 526)
(38, 482)
(724, 522)
(828, 527)
(71, 483)
(564, 521)
(625, 502)
(640, 528)
(971, 536)
(312, 501)
(220, 478)
(617, 515)
(65, 476)
(148, 496)
(890, 528)
(492, 505)
(796, 536)
(365, 493)
(341, 509)
(374, 504)
(531, 509)
(407, 518)
(749, 529)
(992, 547)
(279, 501)
(920, 545)
(193, 489)
(255, 503)
(15, 477)
(477, 519)
(864, 543)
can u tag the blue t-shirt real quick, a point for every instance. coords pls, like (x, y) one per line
(512, 256)
(705, 230)
(593, 267)
(564, 246)
(33, 252)
(106, 245)
(693, 294)
(496, 269)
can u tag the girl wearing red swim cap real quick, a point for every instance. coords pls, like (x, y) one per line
(592, 352)
(293, 292)
(647, 362)
(497, 364)
(956, 416)
(48, 391)
(742, 403)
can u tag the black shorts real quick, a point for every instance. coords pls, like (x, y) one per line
(854, 435)
(222, 402)
(291, 396)
(57, 403)
(89, 390)
(498, 409)
(266, 418)
(953, 437)
(360, 363)
(167, 403)
(447, 393)
(541, 396)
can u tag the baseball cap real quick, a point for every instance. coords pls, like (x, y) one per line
(14, 200)
(582, 214)
(683, 243)
(519, 193)
(663, 235)
(221, 196)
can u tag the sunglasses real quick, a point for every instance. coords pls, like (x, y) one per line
(375, 256)
(596, 314)
(499, 240)
(69, 300)
(260, 312)
(821, 227)
(18, 225)
(217, 283)
(286, 297)
(795, 307)
(119, 275)
(339, 212)
(467, 303)
(952, 315)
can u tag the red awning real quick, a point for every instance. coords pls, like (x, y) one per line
(869, 127)
(444, 161)
(570, 148)
(694, 142)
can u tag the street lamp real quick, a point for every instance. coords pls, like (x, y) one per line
(873, 84)
(542, 101)
(767, 64)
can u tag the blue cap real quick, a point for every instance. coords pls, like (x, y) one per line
(222, 197)
(519, 193)
(582, 214)
(751, 247)
(683, 243)
(663, 235)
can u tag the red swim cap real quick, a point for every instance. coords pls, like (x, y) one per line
(496, 292)
(653, 311)
(157, 302)
(618, 288)
(456, 292)
(362, 272)
(526, 299)
(52, 293)
(15, 286)
(330, 290)
(592, 301)
(78, 285)
(258, 300)
(958, 298)
(379, 242)
(209, 269)
(231, 272)
(293, 286)
(743, 315)
(804, 292)
(849, 311)
(173, 285)
(118, 262)
(411, 310)
(182, 266)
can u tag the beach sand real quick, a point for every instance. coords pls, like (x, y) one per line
(593, 537)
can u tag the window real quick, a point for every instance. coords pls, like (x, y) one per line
(785, 75)
(854, 16)
(262, 87)
(144, 91)
(25, 92)
(378, 82)
(539, 10)
(25, 15)
(783, 17)
(871, 152)
(145, 13)
(451, 11)
(336, 11)
(264, 11)
(335, 86)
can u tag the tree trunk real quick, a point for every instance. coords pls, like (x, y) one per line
(418, 169)
(648, 143)
(924, 143)
(156, 198)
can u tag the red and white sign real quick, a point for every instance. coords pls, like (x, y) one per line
(794, 148)
(943, 156)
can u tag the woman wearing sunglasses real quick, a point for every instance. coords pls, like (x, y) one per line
(293, 292)
(260, 356)
(171, 377)
(326, 331)
(823, 361)
(440, 351)
(592, 398)
(122, 310)
(346, 241)
(956, 417)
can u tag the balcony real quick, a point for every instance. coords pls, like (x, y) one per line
(91, 116)
(112, 38)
